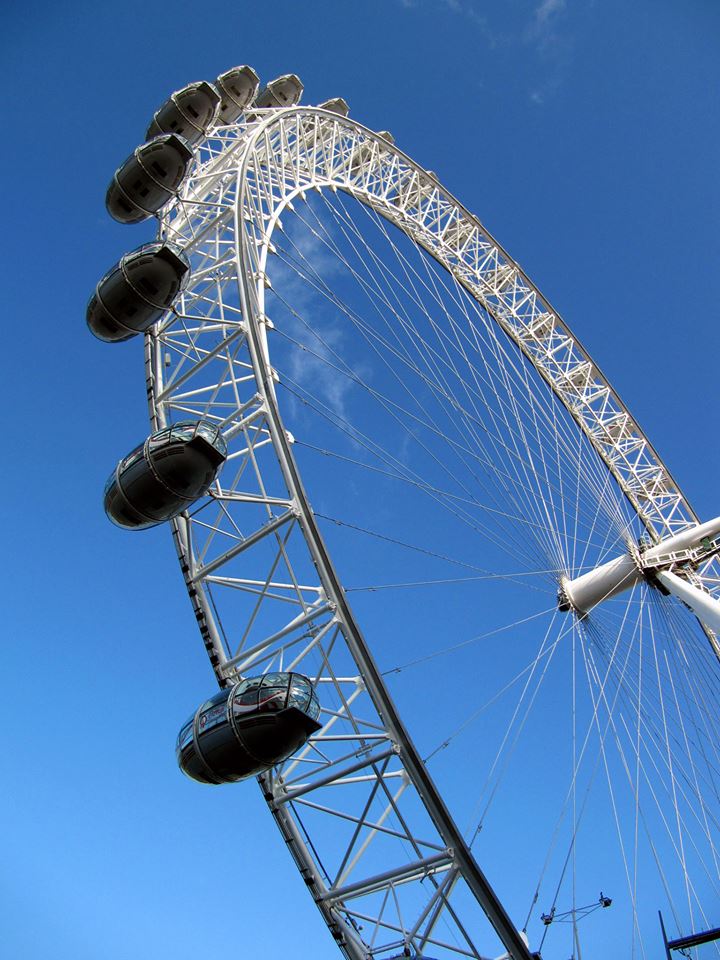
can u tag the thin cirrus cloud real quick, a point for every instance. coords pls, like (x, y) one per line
(547, 8)
(299, 276)
(542, 30)
(553, 48)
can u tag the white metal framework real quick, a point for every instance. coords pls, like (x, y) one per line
(366, 825)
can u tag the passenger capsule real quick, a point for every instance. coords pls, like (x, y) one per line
(336, 105)
(237, 88)
(148, 179)
(282, 92)
(138, 290)
(247, 728)
(165, 474)
(189, 112)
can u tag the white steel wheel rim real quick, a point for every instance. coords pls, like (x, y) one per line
(293, 151)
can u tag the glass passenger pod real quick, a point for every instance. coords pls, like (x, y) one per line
(248, 728)
(189, 112)
(238, 88)
(164, 475)
(150, 176)
(336, 105)
(284, 91)
(137, 291)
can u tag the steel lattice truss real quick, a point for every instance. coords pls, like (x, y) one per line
(369, 833)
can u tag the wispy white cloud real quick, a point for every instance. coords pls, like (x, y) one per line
(312, 321)
(464, 8)
(547, 9)
(543, 29)
(552, 43)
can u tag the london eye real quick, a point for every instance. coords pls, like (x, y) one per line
(462, 618)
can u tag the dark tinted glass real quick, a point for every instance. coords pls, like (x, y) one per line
(182, 430)
(198, 101)
(186, 733)
(229, 112)
(282, 92)
(313, 707)
(220, 697)
(155, 276)
(300, 692)
(123, 303)
(188, 112)
(123, 208)
(245, 695)
(103, 324)
(142, 188)
(272, 698)
(170, 119)
(146, 494)
(147, 179)
(276, 679)
(164, 161)
(184, 469)
(212, 716)
(121, 512)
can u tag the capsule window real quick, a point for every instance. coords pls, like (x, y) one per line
(141, 187)
(145, 286)
(220, 697)
(144, 488)
(244, 702)
(186, 733)
(272, 698)
(133, 457)
(127, 307)
(275, 679)
(143, 260)
(159, 439)
(172, 467)
(213, 717)
(124, 513)
(300, 692)
(212, 435)
(183, 430)
(245, 695)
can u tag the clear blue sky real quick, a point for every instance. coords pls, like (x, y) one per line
(584, 134)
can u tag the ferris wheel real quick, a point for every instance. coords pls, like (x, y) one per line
(462, 618)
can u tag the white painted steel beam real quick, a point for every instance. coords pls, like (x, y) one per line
(585, 592)
(704, 606)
